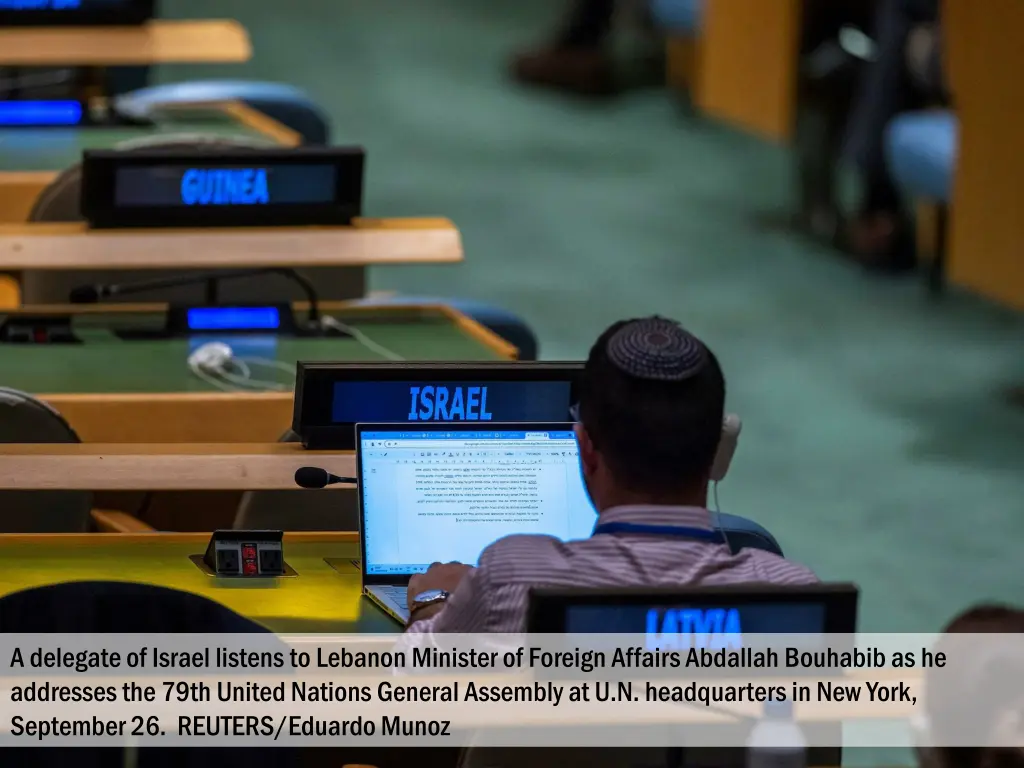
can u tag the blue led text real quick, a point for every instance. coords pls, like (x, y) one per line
(684, 628)
(40, 5)
(219, 186)
(432, 403)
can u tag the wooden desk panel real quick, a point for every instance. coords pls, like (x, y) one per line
(163, 467)
(986, 59)
(747, 59)
(156, 42)
(365, 242)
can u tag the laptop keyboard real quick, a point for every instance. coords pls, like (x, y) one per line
(396, 593)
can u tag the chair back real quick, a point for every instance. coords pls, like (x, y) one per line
(742, 533)
(10, 292)
(115, 607)
(24, 419)
(318, 510)
(101, 607)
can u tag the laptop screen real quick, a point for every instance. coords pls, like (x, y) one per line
(441, 496)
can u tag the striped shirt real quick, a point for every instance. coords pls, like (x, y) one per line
(493, 596)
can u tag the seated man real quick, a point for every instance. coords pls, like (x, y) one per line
(652, 400)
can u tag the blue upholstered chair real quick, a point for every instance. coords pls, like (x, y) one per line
(921, 152)
(288, 105)
(742, 533)
(681, 16)
(502, 322)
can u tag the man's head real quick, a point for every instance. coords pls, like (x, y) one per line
(652, 399)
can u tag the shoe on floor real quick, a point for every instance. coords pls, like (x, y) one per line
(580, 71)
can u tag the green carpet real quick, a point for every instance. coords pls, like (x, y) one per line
(877, 445)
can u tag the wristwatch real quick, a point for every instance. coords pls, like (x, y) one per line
(426, 599)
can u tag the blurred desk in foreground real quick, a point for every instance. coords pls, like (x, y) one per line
(158, 41)
(117, 391)
(320, 599)
(985, 58)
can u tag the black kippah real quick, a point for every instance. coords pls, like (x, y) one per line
(656, 349)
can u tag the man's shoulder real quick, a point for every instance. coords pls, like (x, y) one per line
(776, 569)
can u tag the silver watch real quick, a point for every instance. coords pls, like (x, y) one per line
(430, 597)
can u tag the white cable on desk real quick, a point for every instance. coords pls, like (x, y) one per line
(362, 338)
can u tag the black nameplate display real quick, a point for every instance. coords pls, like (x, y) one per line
(222, 188)
(66, 13)
(331, 398)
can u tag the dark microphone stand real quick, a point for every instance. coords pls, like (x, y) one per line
(91, 294)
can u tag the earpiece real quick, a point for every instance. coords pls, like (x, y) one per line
(216, 364)
(213, 357)
(731, 427)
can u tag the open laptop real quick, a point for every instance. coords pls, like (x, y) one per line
(443, 492)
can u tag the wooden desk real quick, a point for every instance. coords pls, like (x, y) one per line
(163, 467)
(155, 42)
(142, 392)
(337, 256)
(365, 242)
(320, 599)
(116, 391)
(985, 57)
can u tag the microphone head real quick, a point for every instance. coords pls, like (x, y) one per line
(85, 294)
(312, 477)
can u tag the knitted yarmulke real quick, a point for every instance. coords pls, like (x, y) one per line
(657, 349)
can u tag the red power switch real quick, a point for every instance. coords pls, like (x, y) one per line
(249, 568)
(248, 551)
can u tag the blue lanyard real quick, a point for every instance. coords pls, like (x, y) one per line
(682, 532)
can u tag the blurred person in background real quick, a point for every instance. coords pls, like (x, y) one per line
(577, 58)
(978, 696)
(904, 72)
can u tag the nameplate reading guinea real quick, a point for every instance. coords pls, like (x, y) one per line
(222, 187)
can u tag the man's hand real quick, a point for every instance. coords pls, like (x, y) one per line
(446, 576)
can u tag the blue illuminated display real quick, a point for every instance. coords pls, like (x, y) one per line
(40, 112)
(430, 403)
(475, 401)
(690, 626)
(225, 186)
(234, 319)
(40, 5)
(676, 628)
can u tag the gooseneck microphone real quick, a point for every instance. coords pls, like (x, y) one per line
(91, 294)
(318, 477)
